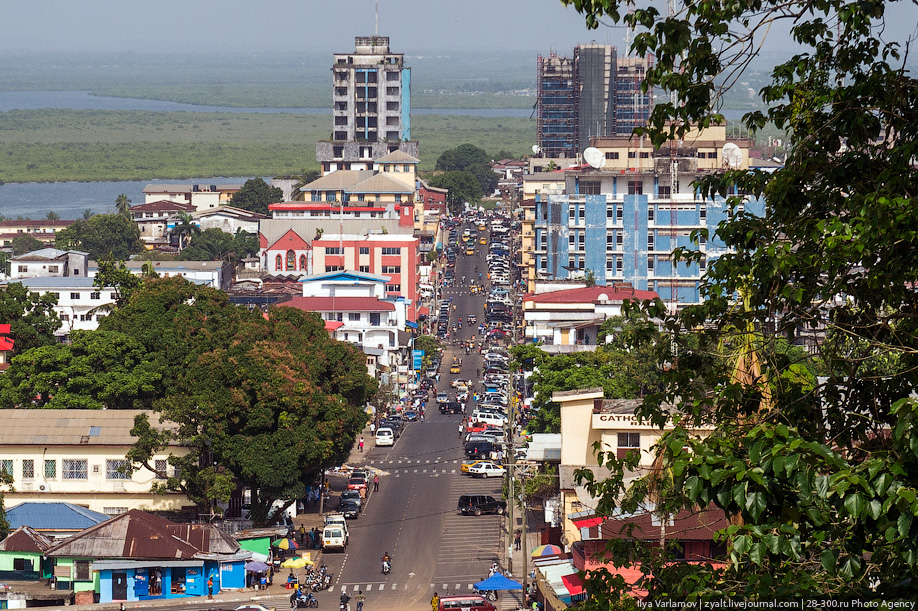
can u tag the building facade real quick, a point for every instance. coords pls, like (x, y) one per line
(201, 197)
(49, 262)
(77, 455)
(622, 222)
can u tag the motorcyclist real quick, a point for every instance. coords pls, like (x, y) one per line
(345, 602)
(386, 561)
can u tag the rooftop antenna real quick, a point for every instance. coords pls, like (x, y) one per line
(376, 32)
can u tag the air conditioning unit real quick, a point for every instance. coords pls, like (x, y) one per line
(44, 488)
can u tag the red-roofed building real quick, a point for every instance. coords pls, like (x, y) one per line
(290, 254)
(152, 218)
(573, 316)
(6, 347)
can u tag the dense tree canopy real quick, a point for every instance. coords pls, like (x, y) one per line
(31, 317)
(216, 245)
(818, 477)
(463, 187)
(102, 236)
(255, 195)
(24, 243)
(469, 158)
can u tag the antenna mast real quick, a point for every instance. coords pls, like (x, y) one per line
(376, 31)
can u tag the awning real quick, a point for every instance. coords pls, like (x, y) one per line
(411, 325)
(423, 310)
(333, 325)
(586, 519)
(573, 583)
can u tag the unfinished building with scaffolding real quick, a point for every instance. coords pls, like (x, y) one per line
(592, 94)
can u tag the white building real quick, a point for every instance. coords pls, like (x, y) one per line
(215, 274)
(75, 455)
(80, 305)
(49, 262)
(201, 197)
(228, 219)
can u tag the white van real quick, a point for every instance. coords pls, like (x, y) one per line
(385, 436)
(337, 519)
(334, 537)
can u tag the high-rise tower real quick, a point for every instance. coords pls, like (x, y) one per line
(372, 106)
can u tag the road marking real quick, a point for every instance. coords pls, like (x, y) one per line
(369, 587)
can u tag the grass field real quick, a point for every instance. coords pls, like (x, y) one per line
(65, 145)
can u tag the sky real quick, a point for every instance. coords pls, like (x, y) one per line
(319, 26)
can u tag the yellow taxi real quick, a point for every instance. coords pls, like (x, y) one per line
(469, 464)
(455, 368)
(469, 252)
(482, 227)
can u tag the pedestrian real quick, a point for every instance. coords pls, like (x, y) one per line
(360, 444)
(372, 428)
(435, 602)
(302, 534)
(360, 598)
(210, 587)
(517, 540)
(461, 430)
(376, 482)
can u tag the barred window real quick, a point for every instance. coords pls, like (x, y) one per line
(28, 468)
(50, 469)
(6, 466)
(161, 464)
(392, 250)
(74, 468)
(113, 468)
(391, 269)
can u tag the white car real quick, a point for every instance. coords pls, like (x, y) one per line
(487, 469)
(385, 436)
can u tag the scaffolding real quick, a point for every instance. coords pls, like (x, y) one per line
(557, 107)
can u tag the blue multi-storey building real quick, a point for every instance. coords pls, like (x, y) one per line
(622, 222)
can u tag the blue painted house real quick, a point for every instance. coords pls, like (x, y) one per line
(138, 556)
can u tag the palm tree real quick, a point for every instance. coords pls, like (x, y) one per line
(53, 216)
(123, 204)
(87, 214)
(302, 180)
(184, 226)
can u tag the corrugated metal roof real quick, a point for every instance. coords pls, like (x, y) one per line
(25, 539)
(53, 516)
(140, 535)
(19, 427)
(397, 157)
(379, 183)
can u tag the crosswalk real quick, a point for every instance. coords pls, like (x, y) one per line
(505, 601)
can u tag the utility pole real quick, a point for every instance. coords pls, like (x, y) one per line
(525, 552)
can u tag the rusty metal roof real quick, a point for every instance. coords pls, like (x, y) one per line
(93, 427)
(25, 539)
(140, 535)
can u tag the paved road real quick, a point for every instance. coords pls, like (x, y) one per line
(413, 516)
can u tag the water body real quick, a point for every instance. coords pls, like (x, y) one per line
(82, 100)
(69, 199)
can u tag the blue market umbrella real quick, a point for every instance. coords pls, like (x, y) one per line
(256, 567)
(498, 582)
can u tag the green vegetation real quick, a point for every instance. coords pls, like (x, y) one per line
(255, 196)
(62, 145)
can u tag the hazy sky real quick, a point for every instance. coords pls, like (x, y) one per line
(415, 26)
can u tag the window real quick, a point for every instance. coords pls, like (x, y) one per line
(161, 466)
(374, 319)
(291, 261)
(619, 212)
(95, 295)
(632, 154)
(23, 269)
(619, 264)
(278, 263)
(333, 250)
(339, 316)
(703, 212)
(398, 198)
(703, 263)
(650, 213)
(53, 269)
(364, 269)
(75, 296)
(628, 442)
(392, 250)
(393, 288)
(650, 241)
(610, 265)
(113, 467)
(22, 564)
(650, 264)
(50, 469)
(391, 90)
(665, 192)
(635, 187)
(6, 466)
(334, 268)
(74, 468)
(82, 570)
(353, 316)
(303, 263)
(391, 269)
(114, 511)
(364, 250)
(645, 155)
(590, 187)
(612, 155)
(610, 212)
(572, 213)
(610, 240)
(28, 468)
(619, 239)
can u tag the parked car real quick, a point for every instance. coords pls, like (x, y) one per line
(468, 464)
(487, 469)
(352, 496)
(385, 436)
(357, 483)
(478, 504)
(349, 509)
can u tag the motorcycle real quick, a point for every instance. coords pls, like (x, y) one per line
(386, 567)
(307, 601)
(487, 594)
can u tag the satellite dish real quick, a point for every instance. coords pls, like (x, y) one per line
(733, 156)
(536, 149)
(594, 157)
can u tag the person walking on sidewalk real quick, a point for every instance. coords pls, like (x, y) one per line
(360, 444)
(376, 482)
(360, 598)
(517, 540)
(461, 429)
